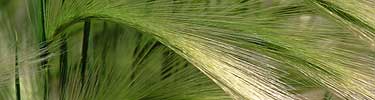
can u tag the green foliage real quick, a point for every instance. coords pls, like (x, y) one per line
(188, 49)
(123, 64)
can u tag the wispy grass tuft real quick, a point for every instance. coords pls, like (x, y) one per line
(189, 49)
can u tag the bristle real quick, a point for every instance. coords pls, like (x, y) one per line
(187, 49)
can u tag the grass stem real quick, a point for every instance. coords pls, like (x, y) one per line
(17, 77)
(45, 53)
(85, 43)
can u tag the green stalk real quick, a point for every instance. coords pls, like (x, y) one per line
(44, 53)
(63, 66)
(17, 77)
(85, 43)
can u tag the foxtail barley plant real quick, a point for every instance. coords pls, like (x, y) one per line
(187, 50)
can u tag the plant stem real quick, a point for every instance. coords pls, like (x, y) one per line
(44, 53)
(17, 78)
(63, 66)
(85, 43)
